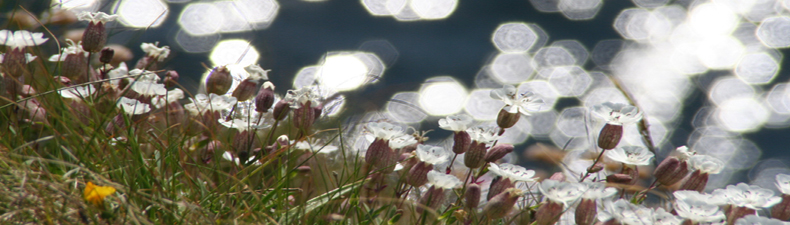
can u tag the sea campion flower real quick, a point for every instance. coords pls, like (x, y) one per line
(149, 89)
(15, 60)
(782, 210)
(133, 106)
(77, 92)
(703, 165)
(631, 155)
(759, 220)
(74, 59)
(673, 168)
(615, 115)
(510, 174)
(265, 97)
(746, 199)
(95, 36)
(95, 194)
(696, 208)
(558, 196)
(245, 118)
(500, 205)
(662, 217)
(230, 157)
(428, 156)
(624, 212)
(305, 103)
(481, 137)
(202, 103)
(171, 96)
(246, 88)
(153, 55)
(458, 124)
(587, 209)
(379, 154)
(434, 197)
(515, 105)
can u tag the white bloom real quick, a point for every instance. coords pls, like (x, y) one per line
(662, 217)
(598, 190)
(257, 73)
(384, 130)
(202, 103)
(316, 146)
(515, 103)
(152, 50)
(631, 155)
(146, 88)
(401, 141)
(245, 117)
(432, 154)
(132, 106)
(758, 220)
(21, 38)
(617, 113)
(626, 213)
(512, 172)
(172, 96)
(144, 75)
(783, 183)
(698, 211)
(456, 122)
(71, 49)
(685, 152)
(99, 17)
(561, 192)
(706, 164)
(116, 74)
(301, 96)
(230, 157)
(445, 181)
(77, 92)
(711, 199)
(483, 134)
(750, 196)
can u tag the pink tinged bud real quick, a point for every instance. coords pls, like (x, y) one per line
(501, 204)
(432, 199)
(498, 151)
(506, 119)
(597, 167)
(245, 90)
(219, 81)
(586, 212)
(472, 196)
(304, 170)
(737, 213)
(418, 174)
(242, 144)
(381, 156)
(610, 136)
(558, 176)
(462, 141)
(304, 116)
(94, 37)
(548, 213)
(171, 79)
(498, 185)
(619, 178)
(265, 99)
(106, 55)
(781, 211)
(146, 63)
(670, 171)
(15, 62)
(75, 67)
(475, 156)
(695, 182)
(281, 109)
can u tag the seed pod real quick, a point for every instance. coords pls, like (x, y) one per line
(610, 136)
(219, 81)
(670, 170)
(501, 204)
(281, 109)
(432, 199)
(245, 90)
(265, 98)
(695, 182)
(586, 212)
(94, 37)
(475, 156)
(461, 142)
(781, 211)
(15, 62)
(498, 185)
(472, 196)
(548, 213)
(507, 120)
(418, 174)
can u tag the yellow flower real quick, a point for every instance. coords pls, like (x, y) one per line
(95, 194)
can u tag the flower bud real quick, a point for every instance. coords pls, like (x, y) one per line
(175, 113)
(461, 142)
(265, 98)
(418, 174)
(381, 156)
(304, 116)
(94, 37)
(498, 185)
(610, 136)
(282, 140)
(597, 167)
(242, 144)
(65, 81)
(281, 109)
(219, 81)
(474, 157)
(506, 119)
(472, 196)
(558, 176)
(586, 212)
(75, 67)
(695, 182)
(498, 151)
(548, 213)
(432, 199)
(619, 178)
(171, 79)
(245, 90)
(15, 62)
(501, 204)
(781, 211)
(671, 170)
(106, 55)
(303, 170)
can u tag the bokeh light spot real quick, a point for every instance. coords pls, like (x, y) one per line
(774, 32)
(200, 19)
(404, 107)
(580, 9)
(196, 44)
(570, 80)
(757, 68)
(512, 68)
(141, 13)
(342, 71)
(514, 37)
(234, 51)
(742, 114)
(442, 96)
(433, 9)
(481, 106)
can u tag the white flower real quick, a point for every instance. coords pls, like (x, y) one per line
(662, 217)
(301, 96)
(172, 96)
(71, 49)
(515, 103)
(133, 106)
(706, 164)
(244, 117)
(561, 192)
(316, 147)
(116, 74)
(598, 190)
(750, 196)
(758, 220)
(626, 213)
(685, 152)
(783, 183)
(401, 141)
(512, 172)
(698, 211)
(617, 113)
(99, 17)
(242, 124)
(710, 199)
(483, 134)
(146, 88)
(77, 92)
(152, 50)
(256, 72)
(144, 75)
(21, 38)
(631, 155)
(202, 103)
(230, 157)
(456, 122)
(384, 130)
(432, 154)
(445, 181)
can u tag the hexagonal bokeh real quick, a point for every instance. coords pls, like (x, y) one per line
(774, 32)
(199, 19)
(512, 68)
(196, 44)
(580, 9)
(485, 79)
(383, 49)
(605, 94)
(606, 50)
(343, 71)
(542, 89)
(234, 51)
(642, 25)
(721, 52)
(742, 114)
(481, 106)
(570, 80)
(650, 3)
(141, 13)
(728, 88)
(576, 48)
(377, 7)
(568, 143)
(514, 37)
(546, 5)
(778, 98)
(306, 76)
(250, 14)
(405, 108)
(433, 9)
(757, 68)
(571, 122)
(543, 123)
(549, 57)
(442, 96)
